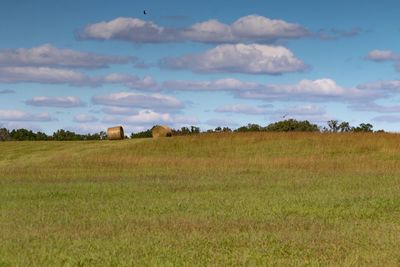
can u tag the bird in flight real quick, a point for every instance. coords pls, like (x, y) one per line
(284, 116)
(144, 12)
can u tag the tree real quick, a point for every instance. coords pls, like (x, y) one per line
(194, 130)
(344, 127)
(292, 125)
(364, 127)
(143, 134)
(251, 127)
(333, 126)
(4, 134)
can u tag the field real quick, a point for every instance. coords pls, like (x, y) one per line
(295, 199)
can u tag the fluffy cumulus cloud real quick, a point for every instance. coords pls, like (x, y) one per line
(252, 28)
(60, 102)
(142, 117)
(148, 117)
(83, 118)
(137, 100)
(49, 56)
(239, 58)
(325, 90)
(18, 115)
(319, 90)
(129, 29)
(261, 28)
(242, 108)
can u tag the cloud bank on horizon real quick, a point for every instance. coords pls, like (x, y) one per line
(139, 72)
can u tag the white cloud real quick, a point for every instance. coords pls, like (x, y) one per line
(85, 128)
(137, 100)
(239, 58)
(210, 31)
(18, 115)
(148, 117)
(47, 75)
(249, 28)
(373, 107)
(319, 90)
(49, 56)
(130, 81)
(227, 84)
(242, 108)
(82, 118)
(142, 117)
(261, 28)
(10, 125)
(129, 29)
(310, 90)
(61, 102)
(389, 86)
(42, 75)
(383, 55)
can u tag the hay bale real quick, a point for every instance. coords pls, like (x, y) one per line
(115, 133)
(161, 131)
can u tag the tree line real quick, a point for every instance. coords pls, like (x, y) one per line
(59, 135)
(290, 125)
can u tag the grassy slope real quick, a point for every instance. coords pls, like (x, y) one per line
(286, 199)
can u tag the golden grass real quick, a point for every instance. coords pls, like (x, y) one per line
(288, 199)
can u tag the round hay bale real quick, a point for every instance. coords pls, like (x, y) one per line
(115, 133)
(161, 131)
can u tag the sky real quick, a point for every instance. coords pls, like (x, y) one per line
(88, 65)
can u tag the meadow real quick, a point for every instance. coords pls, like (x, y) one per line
(280, 199)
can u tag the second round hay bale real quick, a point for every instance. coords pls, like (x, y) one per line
(115, 133)
(161, 131)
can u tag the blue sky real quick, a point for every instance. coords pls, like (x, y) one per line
(89, 65)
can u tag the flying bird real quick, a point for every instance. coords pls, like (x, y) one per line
(144, 12)
(284, 116)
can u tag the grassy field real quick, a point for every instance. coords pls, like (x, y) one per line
(221, 199)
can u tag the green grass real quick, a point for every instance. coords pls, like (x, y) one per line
(229, 199)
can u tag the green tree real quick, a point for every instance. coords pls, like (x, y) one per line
(364, 127)
(4, 134)
(292, 125)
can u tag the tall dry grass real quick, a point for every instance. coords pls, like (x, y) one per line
(212, 199)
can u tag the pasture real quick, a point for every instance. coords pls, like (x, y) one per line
(286, 199)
